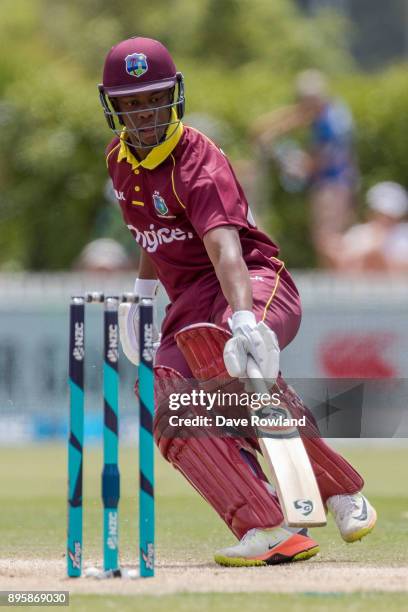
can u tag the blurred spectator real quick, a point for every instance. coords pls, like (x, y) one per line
(103, 255)
(213, 127)
(327, 167)
(380, 244)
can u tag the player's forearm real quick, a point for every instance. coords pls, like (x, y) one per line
(235, 283)
(277, 123)
(224, 249)
(146, 267)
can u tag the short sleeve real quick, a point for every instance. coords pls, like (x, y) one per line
(215, 197)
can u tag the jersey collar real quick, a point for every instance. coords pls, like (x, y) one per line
(157, 155)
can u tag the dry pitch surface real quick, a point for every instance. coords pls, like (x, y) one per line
(195, 577)
(32, 533)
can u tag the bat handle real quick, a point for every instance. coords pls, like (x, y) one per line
(255, 374)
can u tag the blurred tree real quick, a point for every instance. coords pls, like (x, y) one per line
(238, 56)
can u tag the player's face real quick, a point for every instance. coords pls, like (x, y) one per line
(145, 116)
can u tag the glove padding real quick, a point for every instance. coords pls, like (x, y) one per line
(129, 315)
(261, 343)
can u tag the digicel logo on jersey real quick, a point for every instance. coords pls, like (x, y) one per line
(151, 239)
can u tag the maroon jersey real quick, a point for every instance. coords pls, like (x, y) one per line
(181, 190)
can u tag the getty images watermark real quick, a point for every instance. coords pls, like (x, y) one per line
(262, 410)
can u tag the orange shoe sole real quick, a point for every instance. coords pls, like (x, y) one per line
(296, 548)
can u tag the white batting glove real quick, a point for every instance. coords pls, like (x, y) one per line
(129, 315)
(251, 338)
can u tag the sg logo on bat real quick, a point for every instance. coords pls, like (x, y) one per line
(305, 506)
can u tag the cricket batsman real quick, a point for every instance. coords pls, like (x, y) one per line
(185, 208)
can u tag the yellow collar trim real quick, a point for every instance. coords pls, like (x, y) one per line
(158, 154)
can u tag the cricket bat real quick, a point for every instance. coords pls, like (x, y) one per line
(290, 468)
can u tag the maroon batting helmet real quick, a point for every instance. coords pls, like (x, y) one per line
(134, 66)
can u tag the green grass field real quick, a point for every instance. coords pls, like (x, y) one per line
(33, 525)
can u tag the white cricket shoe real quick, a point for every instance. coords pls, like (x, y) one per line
(267, 547)
(354, 515)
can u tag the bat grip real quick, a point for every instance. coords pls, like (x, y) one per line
(255, 374)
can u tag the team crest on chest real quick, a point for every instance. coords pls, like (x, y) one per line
(136, 64)
(160, 205)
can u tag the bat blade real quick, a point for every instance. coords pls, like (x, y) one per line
(290, 469)
(295, 482)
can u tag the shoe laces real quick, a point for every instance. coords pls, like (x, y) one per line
(256, 531)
